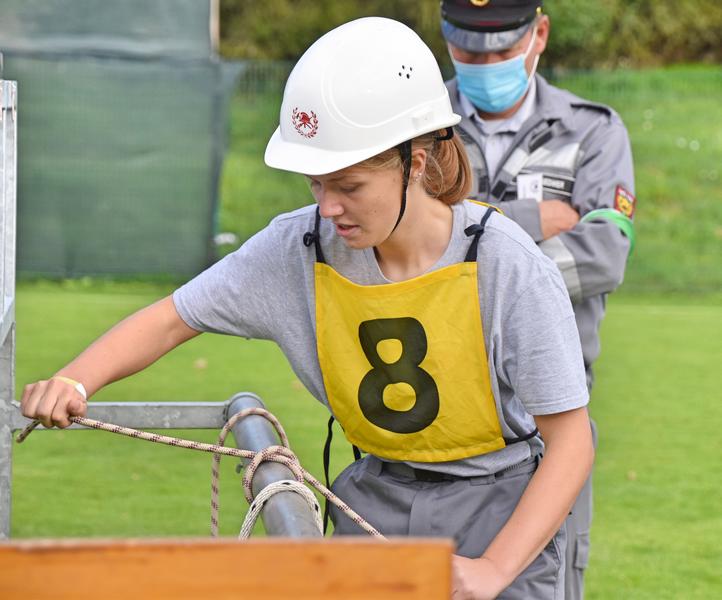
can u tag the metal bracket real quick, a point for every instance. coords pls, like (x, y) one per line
(8, 99)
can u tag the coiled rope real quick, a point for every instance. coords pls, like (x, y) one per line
(285, 485)
(281, 454)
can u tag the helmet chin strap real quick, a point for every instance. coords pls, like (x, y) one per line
(405, 151)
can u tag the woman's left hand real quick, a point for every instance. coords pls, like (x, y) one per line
(476, 579)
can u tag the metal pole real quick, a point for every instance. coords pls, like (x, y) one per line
(8, 166)
(144, 415)
(7, 385)
(215, 25)
(286, 513)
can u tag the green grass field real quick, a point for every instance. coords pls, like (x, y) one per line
(657, 403)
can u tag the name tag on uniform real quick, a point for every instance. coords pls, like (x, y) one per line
(529, 185)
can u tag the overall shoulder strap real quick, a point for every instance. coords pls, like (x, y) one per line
(314, 237)
(477, 230)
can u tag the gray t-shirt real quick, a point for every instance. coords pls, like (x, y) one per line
(265, 290)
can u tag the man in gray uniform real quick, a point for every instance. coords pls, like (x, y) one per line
(557, 164)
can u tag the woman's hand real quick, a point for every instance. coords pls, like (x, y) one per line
(53, 402)
(476, 579)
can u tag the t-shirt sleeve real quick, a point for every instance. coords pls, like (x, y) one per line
(234, 295)
(541, 352)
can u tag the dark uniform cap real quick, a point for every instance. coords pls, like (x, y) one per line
(487, 25)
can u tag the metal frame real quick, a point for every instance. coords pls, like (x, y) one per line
(8, 187)
(286, 513)
(214, 25)
(139, 415)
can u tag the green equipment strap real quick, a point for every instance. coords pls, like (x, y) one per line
(622, 221)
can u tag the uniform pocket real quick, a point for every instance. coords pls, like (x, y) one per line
(581, 551)
(557, 546)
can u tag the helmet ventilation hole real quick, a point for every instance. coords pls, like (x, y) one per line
(406, 71)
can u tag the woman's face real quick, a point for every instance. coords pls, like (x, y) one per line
(362, 203)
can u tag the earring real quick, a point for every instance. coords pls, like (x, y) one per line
(417, 177)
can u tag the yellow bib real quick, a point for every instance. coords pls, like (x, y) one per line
(405, 365)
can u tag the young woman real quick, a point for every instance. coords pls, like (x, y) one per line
(437, 334)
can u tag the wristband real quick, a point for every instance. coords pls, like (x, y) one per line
(76, 384)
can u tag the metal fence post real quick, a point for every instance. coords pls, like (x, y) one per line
(285, 513)
(8, 166)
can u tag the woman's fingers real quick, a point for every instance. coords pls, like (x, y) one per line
(52, 402)
(77, 406)
(60, 413)
(32, 395)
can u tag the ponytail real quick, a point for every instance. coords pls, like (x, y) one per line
(448, 173)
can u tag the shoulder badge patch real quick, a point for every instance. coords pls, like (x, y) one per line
(306, 123)
(624, 202)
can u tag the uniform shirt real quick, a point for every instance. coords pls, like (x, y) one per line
(497, 135)
(582, 152)
(265, 290)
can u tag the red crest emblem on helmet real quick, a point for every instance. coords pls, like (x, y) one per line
(306, 123)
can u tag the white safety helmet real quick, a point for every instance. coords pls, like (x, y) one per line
(362, 88)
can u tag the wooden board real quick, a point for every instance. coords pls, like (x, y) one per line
(268, 569)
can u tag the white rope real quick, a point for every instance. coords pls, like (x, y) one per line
(285, 485)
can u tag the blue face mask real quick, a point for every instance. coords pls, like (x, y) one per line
(495, 87)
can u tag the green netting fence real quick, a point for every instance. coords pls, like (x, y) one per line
(122, 133)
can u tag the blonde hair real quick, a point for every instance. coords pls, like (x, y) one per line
(447, 176)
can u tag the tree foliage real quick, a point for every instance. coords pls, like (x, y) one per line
(283, 29)
(584, 34)
(634, 32)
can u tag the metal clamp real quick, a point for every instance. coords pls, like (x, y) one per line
(8, 99)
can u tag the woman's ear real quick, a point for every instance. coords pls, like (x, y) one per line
(418, 161)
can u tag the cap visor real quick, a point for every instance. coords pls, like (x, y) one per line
(479, 41)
